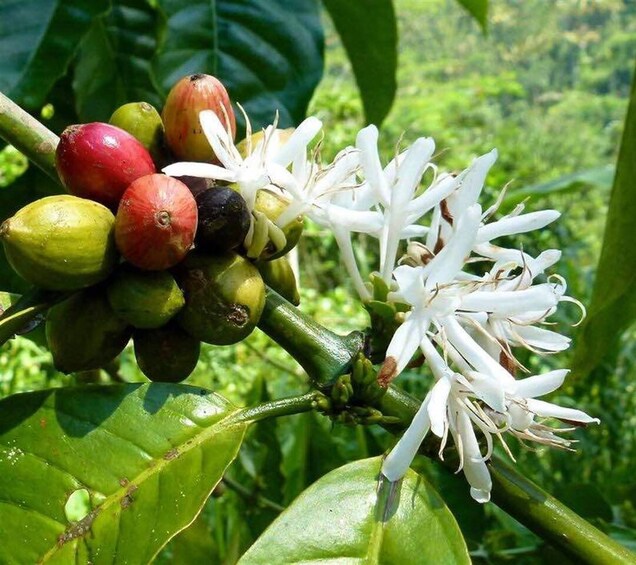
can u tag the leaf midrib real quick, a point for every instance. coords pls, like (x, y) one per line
(156, 468)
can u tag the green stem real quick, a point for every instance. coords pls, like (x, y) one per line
(551, 520)
(252, 496)
(323, 354)
(28, 135)
(277, 408)
(524, 500)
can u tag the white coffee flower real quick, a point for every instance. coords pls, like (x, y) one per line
(264, 164)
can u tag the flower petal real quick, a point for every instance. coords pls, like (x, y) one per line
(297, 142)
(406, 340)
(450, 260)
(217, 136)
(202, 170)
(538, 385)
(367, 143)
(401, 456)
(509, 302)
(546, 409)
(472, 182)
(517, 224)
(437, 406)
(475, 469)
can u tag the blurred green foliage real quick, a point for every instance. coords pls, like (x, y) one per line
(548, 87)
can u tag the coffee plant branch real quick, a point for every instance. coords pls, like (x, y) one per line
(325, 356)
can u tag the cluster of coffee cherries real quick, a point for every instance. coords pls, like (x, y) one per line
(142, 255)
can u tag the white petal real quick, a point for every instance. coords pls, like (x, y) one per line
(398, 461)
(475, 469)
(358, 221)
(411, 171)
(539, 385)
(437, 406)
(413, 230)
(361, 197)
(431, 197)
(474, 354)
(341, 170)
(298, 141)
(546, 409)
(410, 283)
(406, 340)
(537, 338)
(217, 136)
(517, 224)
(509, 302)
(202, 170)
(472, 182)
(488, 390)
(450, 260)
(367, 143)
(520, 418)
(346, 250)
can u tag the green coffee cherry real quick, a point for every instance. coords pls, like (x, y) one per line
(145, 299)
(143, 122)
(61, 242)
(84, 333)
(166, 354)
(279, 276)
(225, 297)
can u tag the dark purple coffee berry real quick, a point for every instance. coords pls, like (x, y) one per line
(224, 219)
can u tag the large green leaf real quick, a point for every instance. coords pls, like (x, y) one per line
(268, 54)
(613, 306)
(38, 39)
(600, 177)
(345, 517)
(369, 34)
(108, 474)
(114, 63)
(478, 9)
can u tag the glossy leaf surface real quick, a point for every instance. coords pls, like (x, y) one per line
(369, 33)
(147, 455)
(613, 307)
(38, 39)
(345, 518)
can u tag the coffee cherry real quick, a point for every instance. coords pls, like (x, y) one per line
(224, 219)
(166, 354)
(185, 101)
(99, 161)
(156, 222)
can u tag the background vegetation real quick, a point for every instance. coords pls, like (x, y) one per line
(548, 86)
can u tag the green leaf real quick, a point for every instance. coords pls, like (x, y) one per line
(114, 63)
(478, 9)
(600, 177)
(345, 517)
(148, 455)
(267, 54)
(369, 34)
(586, 500)
(613, 307)
(38, 39)
(192, 546)
(23, 310)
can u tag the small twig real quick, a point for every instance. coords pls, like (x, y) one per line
(252, 495)
(270, 361)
